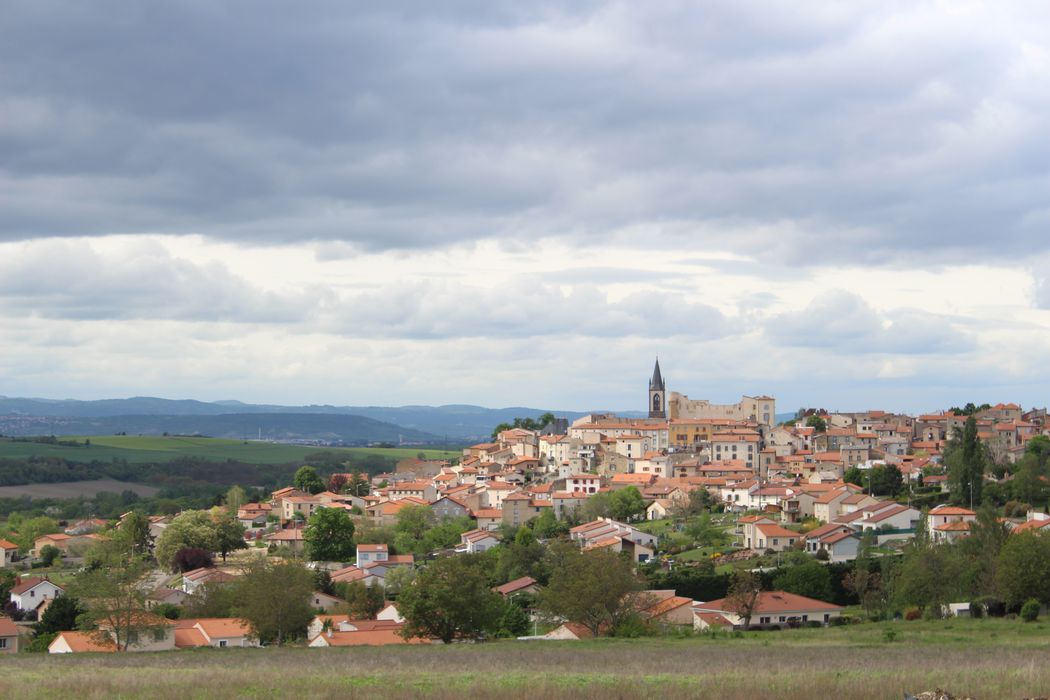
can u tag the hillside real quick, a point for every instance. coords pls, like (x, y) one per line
(456, 421)
(349, 429)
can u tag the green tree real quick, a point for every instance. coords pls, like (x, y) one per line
(32, 528)
(698, 501)
(885, 480)
(191, 529)
(513, 620)
(451, 599)
(115, 592)
(134, 529)
(235, 498)
(48, 554)
(306, 479)
(363, 602)
(600, 505)
(329, 535)
(967, 461)
(523, 556)
(817, 423)
(413, 522)
(1023, 569)
(61, 615)
(855, 476)
(358, 485)
(546, 525)
(597, 588)
(811, 579)
(229, 533)
(627, 504)
(211, 599)
(274, 598)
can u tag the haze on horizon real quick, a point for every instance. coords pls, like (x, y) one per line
(521, 204)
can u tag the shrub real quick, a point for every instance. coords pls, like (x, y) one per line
(976, 610)
(49, 553)
(889, 634)
(822, 555)
(1030, 610)
(912, 614)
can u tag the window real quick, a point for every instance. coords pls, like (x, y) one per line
(782, 618)
(133, 637)
(159, 635)
(223, 643)
(3, 642)
(763, 620)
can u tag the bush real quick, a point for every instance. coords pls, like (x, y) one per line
(822, 555)
(1030, 610)
(976, 610)
(912, 614)
(49, 553)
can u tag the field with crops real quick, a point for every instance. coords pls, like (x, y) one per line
(75, 489)
(985, 659)
(164, 448)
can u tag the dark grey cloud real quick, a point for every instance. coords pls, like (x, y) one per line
(878, 133)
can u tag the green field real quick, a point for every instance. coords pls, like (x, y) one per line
(984, 659)
(161, 449)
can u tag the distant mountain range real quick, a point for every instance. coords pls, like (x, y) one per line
(147, 415)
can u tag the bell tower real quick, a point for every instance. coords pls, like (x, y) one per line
(657, 394)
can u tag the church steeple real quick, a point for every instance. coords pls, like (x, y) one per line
(657, 394)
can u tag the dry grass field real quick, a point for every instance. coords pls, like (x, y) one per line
(993, 659)
(74, 489)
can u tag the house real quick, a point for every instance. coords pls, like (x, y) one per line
(79, 642)
(525, 584)
(323, 601)
(447, 507)
(368, 553)
(519, 508)
(390, 614)
(343, 623)
(31, 592)
(169, 596)
(371, 638)
(665, 609)
(193, 580)
(659, 509)
(475, 541)
(10, 553)
(8, 636)
(638, 552)
(569, 631)
(775, 609)
(489, 518)
(949, 523)
(291, 537)
(219, 632)
(773, 536)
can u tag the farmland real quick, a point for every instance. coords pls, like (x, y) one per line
(142, 449)
(75, 489)
(982, 658)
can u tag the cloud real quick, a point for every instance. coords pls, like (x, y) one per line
(841, 322)
(871, 133)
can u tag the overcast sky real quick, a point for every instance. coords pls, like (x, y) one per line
(845, 205)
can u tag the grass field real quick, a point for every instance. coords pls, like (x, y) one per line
(986, 659)
(160, 449)
(73, 489)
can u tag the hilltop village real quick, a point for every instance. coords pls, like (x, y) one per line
(700, 518)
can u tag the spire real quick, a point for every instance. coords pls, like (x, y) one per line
(657, 382)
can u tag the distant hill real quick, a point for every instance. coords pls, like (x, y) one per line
(273, 426)
(457, 422)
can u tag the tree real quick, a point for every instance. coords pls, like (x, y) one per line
(705, 533)
(337, 482)
(597, 588)
(274, 598)
(306, 479)
(329, 535)
(966, 460)
(698, 501)
(600, 505)
(413, 522)
(49, 553)
(115, 592)
(134, 529)
(61, 615)
(523, 556)
(811, 579)
(855, 476)
(1023, 569)
(885, 480)
(358, 485)
(513, 620)
(191, 529)
(211, 599)
(862, 582)
(190, 558)
(450, 599)
(627, 504)
(235, 498)
(363, 602)
(397, 578)
(30, 529)
(743, 596)
(817, 423)
(546, 525)
(229, 533)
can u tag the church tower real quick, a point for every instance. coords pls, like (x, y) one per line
(657, 394)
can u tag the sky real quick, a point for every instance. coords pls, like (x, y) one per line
(844, 205)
